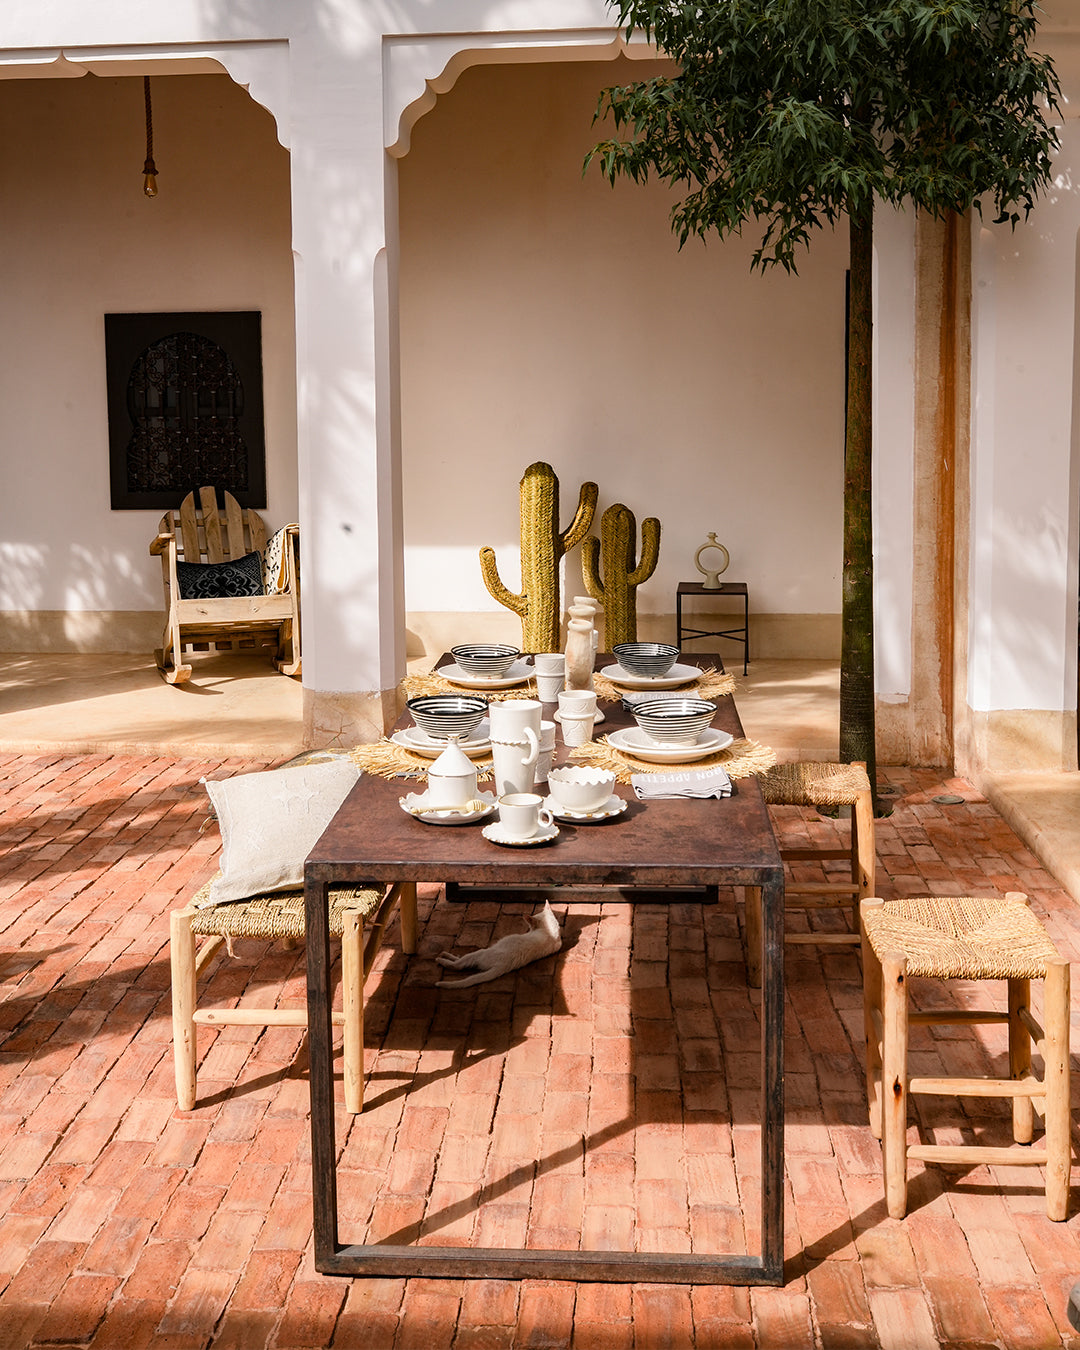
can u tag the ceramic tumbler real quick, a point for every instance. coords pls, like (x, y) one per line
(576, 729)
(550, 670)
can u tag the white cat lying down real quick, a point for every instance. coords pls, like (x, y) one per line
(509, 953)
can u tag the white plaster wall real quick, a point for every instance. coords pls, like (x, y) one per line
(1024, 548)
(546, 316)
(78, 240)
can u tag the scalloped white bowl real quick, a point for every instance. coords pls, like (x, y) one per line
(581, 789)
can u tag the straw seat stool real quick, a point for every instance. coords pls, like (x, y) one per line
(808, 784)
(280, 916)
(966, 939)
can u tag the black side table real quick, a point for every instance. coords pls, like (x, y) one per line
(697, 588)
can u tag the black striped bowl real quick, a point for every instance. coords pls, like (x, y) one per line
(443, 715)
(646, 659)
(485, 658)
(674, 721)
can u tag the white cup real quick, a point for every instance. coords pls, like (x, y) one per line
(577, 703)
(546, 753)
(522, 814)
(550, 668)
(576, 730)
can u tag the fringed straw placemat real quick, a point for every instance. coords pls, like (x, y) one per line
(709, 684)
(416, 686)
(740, 759)
(387, 759)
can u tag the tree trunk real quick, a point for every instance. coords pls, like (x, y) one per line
(857, 641)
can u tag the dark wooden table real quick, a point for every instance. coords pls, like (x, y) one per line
(662, 844)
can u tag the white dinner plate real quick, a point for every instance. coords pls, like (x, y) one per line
(614, 806)
(496, 832)
(476, 744)
(518, 673)
(676, 675)
(634, 741)
(414, 804)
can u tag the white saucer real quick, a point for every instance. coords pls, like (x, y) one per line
(634, 741)
(496, 832)
(518, 673)
(413, 805)
(614, 806)
(676, 675)
(476, 744)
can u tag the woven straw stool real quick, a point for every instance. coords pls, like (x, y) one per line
(281, 916)
(809, 784)
(966, 939)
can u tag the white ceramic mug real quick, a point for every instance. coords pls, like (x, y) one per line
(546, 753)
(550, 670)
(515, 743)
(522, 814)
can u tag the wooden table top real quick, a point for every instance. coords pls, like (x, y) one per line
(681, 841)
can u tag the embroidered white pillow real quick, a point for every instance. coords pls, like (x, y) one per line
(271, 821)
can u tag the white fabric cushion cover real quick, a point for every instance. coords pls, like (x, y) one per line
(271, 821)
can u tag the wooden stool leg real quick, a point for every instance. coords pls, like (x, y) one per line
(182, 962)
(407, 910)
(862, 828)
(352, 1000)
(872, 1025)
(1020, 1058)
(894, 1081)
(752, 895)
(1056, 1077)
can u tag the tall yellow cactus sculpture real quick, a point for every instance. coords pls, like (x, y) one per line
(614, 551)
(542, 549)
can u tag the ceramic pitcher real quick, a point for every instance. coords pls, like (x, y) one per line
(515, 743)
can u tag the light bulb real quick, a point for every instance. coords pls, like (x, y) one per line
(150, 185)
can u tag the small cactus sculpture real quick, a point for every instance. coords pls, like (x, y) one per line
(614, 550)
(542, 549)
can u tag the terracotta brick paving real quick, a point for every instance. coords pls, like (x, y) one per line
(607, 1096)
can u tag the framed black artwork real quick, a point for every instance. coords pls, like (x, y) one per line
(185, 407)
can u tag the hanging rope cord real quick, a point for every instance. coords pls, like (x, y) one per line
(149, 168)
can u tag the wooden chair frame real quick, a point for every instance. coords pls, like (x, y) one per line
(201, 531)
(189, 960)
(861, 856)
(890, 1084)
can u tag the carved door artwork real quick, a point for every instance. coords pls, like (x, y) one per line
(185, 407)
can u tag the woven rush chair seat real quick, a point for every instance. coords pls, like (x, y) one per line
(358, 919)
(818, 785)
(967, 938)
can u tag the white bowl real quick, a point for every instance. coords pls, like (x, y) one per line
(580, 789)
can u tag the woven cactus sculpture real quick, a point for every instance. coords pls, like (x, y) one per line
(542, 549)
(614, 552)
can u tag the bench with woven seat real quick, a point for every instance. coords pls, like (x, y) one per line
(280, 916)
(828, 786)
(966, 939)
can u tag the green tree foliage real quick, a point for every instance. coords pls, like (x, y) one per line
(794, 114)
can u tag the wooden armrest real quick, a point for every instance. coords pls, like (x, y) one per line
(162, 542)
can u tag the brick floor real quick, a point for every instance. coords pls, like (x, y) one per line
(607, 1095)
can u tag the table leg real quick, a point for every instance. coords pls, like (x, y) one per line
(772, 1086)
(320, 1071)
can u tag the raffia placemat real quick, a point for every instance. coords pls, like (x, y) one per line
(711, 683)
(416, 686)
(740, 759)
(387, 759)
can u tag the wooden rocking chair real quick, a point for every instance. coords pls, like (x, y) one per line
(201, 532)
